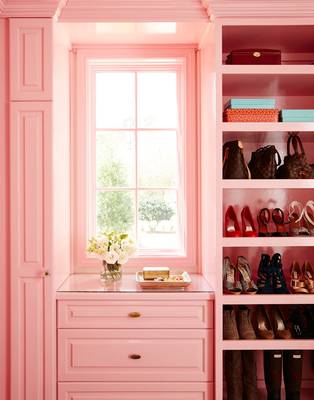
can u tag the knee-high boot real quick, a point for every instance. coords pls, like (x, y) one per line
(249, 375)
(233, 374)
(273, 373)
(292, 372)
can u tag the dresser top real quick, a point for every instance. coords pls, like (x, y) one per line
(90, 283)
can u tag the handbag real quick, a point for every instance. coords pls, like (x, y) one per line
(234, 165)
(264, 163)
(295, 164)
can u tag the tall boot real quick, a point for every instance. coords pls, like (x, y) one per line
(233, 374)
(292, 372)
(272, 373)
(249, 375)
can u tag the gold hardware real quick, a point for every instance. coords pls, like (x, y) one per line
(46, 273)
(134, 356)
(257, 54)
(134, 314)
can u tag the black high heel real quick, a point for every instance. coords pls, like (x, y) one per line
(263, 219)
(278, 218)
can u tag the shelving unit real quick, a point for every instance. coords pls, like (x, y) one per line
(293, 87)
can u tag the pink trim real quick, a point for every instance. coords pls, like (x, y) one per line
(79, 222)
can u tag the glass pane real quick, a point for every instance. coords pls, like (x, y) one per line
(158, 220)
(115, 100)
(157, 100)
(115, 159)
(115, 211)
(157, 159)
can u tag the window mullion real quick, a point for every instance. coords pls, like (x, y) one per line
(136, 158)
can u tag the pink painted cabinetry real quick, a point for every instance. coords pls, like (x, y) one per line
(124, 344)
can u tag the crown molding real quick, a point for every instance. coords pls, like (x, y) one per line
(28, 8)
(258, 8)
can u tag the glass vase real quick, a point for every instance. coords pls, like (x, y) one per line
(110, 272)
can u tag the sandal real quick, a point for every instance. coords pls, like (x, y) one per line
(296, 213)
(308, 274)
(309, 216)
(248, 285)
(297, 283)
(231, 284)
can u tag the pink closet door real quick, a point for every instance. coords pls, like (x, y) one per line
(30, 122)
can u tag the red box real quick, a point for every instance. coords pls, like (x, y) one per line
(251, 115)
(254, 56)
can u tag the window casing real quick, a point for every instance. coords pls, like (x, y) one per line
(88, 64)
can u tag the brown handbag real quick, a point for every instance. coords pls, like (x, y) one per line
(234, 165)
(264, 163)
(295, 164)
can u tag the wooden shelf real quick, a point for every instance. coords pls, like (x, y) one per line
(267, 126)
(267, 183)
(268, 299)
(295, 241)
(275, 344)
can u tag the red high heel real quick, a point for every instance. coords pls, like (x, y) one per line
(248, 227)
(232, 227)
(263, 219)
(278, 217)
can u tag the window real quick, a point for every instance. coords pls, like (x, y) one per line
(134, 152)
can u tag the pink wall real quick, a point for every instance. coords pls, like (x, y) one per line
(4, 232)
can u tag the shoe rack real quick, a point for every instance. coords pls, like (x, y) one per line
(292, 84)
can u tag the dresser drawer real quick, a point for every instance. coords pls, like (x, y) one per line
(135, 391)
(135, 355)
(135, 314)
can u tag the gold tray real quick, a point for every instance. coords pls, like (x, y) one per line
(164, 284)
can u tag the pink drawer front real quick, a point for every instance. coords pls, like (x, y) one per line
(135, 355)
(135, 314)
(135, 391)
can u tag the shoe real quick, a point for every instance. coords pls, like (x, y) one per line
(245, 326)
(297, 282)
(308, 275)
(264, 328)
(295, 217)
(292, 373)
(249, 375)
(265, 276)
(247, 283)
(231, 285)
(279, 280)
(248, 227)
(278, 218)
(309, 217)
(263, 219)
(299, 322)
(230, 329)
(279, 324)
(232, 227)
(273, 373)
(309, 312)
(233, 374)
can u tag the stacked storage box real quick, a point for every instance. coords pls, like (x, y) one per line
(251, 110)
(297, 115)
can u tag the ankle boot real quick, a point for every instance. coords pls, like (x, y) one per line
(230, 329)
(233, 374)
(245, 327)
(292, 372)
(279, 280)
(265, 276)
(249, 375)
(272, 373)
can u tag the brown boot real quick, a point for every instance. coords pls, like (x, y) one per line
(272, 373)
(233, 374)
(245, 327)
(292, 372)
(230, 330)
(249, 375)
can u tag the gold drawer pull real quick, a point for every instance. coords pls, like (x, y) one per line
(257, 54)
(134, 356)
(134, 314)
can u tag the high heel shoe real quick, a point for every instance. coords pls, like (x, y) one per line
(279, 280)
(263, 219)
(232, 227)
(264, 328)
(265, 276)
(279, 324)
(248, 227)
(248, 285)
(297, 283)
(278, 218)
(295, 210)
(308, 275)
(231, 285)
(309, 216)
